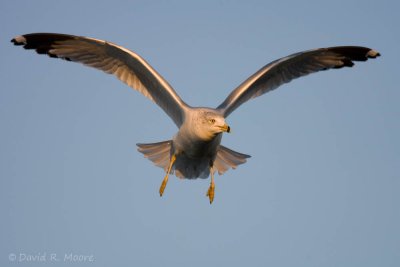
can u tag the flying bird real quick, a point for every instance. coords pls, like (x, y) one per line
(195, 151)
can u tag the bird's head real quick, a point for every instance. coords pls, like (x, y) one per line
(211, 124)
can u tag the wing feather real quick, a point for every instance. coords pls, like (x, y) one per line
(284, 70)
(126, 65)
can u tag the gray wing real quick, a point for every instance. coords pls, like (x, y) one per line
(291, 67)
(127, 66)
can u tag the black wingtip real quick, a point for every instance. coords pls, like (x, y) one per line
(373, 54)
(348, 63)
(42, 43)
(18, 40)
(355, 53)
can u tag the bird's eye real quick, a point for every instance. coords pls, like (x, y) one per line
(212, 121)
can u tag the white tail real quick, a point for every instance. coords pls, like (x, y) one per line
(160, 154)
(227, 158)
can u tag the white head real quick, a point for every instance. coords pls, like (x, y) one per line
(209, 123)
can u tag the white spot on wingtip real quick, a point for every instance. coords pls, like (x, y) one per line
(373, 53)
(20, 39)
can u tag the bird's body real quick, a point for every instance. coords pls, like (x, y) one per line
(197, 145)
(195, 151)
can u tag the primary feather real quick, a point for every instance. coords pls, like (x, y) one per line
(126, 65)
(291, 67)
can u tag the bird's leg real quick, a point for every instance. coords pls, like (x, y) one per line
(164, 182)
(211, 189)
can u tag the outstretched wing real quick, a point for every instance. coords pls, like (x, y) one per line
(291, 67)
(127, 66)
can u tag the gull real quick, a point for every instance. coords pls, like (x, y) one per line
(195, 151)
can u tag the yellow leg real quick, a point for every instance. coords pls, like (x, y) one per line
(164, 182)
(211, 189)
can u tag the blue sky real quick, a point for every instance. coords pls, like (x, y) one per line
(321, 188)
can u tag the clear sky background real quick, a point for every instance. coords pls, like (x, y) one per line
(322, 186)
